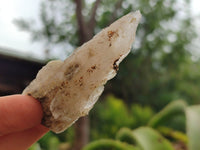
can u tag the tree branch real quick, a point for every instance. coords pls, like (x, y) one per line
(118, 5)
(92, 21)
(81, 23)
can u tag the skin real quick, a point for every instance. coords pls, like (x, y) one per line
(20, 118)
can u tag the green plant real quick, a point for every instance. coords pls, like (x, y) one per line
(173, 109)
(193, 131)
(154, 136)
(145, 138)
(141, 115)
(35, 146)
(125, 135)
(116, 115)
(53, 143)
(48, 142)
(108, 144)
(108, 117)
(173, 134)
(149, 139)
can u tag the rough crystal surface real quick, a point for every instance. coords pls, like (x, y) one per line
(68, 89)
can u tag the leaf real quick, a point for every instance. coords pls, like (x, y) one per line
(53, 143)
(126, 135)
(108, 144)
(150, 139)
(171, 133)
(35, 146)
(193, 122)
(141, 115)
(172, 109)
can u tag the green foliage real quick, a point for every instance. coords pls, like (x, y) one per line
(125, 135)
(53, 143)
(108, 144)
(151, 74)
(67, 135)
(172, 134)
(193, 121)
(141, 115)
(105, 18)
(113, 114)
(161, 138)
(189, 90)
(49, 141)
(173, 109)
(144, 138)
(44, 141)
(108, 117)
(35, 146)
(149, 139)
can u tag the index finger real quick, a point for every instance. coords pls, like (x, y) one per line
(19, 112)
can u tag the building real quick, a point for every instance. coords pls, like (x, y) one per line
(16, 71)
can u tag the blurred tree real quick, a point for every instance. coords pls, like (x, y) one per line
(160, 65)
(157, 71)
(161, 49)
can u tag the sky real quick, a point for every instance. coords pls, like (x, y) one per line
(12, 37)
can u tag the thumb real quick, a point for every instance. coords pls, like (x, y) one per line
(19, 112)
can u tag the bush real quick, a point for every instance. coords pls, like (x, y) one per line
(151, 138)
(108, 117)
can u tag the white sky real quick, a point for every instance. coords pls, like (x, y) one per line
(12, 37)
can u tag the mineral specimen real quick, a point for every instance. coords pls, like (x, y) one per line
(68, 89)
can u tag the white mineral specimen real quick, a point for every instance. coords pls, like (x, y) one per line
(68, 90)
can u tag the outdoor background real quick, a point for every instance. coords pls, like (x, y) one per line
(162, 67)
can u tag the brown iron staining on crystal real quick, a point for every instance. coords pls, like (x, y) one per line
(71, 71)
(111, 34)
(81, 81)
(91, 69)
(115, 66)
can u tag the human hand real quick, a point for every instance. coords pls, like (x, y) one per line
(20, 118)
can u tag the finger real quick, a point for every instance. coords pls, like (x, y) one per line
(19, 112)
(22, 140)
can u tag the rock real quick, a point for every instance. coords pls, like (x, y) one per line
(68, 89)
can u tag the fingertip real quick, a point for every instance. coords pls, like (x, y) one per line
(42, 129)
(22, 140)
(32, 107)
(19, 112)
